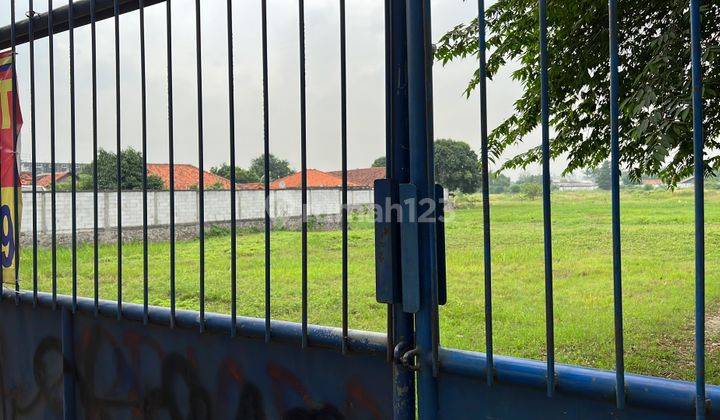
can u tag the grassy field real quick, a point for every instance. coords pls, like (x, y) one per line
(658, 272)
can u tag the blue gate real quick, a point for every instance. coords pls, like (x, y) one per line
(84, 357)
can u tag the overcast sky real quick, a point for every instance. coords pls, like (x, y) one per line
(455, 116)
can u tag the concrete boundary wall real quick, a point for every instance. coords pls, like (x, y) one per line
(284, 204)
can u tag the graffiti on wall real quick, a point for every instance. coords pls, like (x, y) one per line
(126, 370)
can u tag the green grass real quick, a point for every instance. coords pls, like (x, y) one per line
(658, 272)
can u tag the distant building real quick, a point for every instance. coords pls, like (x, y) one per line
(43, 181)
(46, 167)
(575, 185)
(653, 182)
(249, 186)
(187, 177)
(364, 177)
(26, 180)
(315, 179)
(687, 183)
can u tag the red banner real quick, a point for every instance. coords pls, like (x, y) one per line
(10, 188)
(9, 144)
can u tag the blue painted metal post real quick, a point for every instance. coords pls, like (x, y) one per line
(615, 183)
(419, 99)
(431, 221)
(487, 257)
(547, 223)
(699, 209)
(398, 169)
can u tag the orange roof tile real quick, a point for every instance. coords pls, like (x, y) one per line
(363, 177)
(187, 177)
(315, 179)
(45, 180)
(250, 186)
(26, 178)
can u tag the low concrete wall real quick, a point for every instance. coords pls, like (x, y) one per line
(285, 211)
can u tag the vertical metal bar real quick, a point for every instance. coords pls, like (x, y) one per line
(266, 167)
(143, 95)
(400, 324)
(615, 184)
(171, 158)
(53, 202)
(33, 145)
(201, 163)
(15, 168)
(419, 93)
(233, 198)
(487, 257)
(119, 159)
(696, 35)
(303, 159)
(73, 172)
(431, 224)
(343, 129)
(392, 45)
(96, 218)
(545, 111)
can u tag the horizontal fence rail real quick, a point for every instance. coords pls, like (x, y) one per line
(44, 24)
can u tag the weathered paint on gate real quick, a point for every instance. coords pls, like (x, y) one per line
(124, 369)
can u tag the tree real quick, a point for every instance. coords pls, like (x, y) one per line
(499, 183)
(218, 186)
(84, 182)
(602, 176)
(530, 186)
(131, 172)
(279, 168)
(380, 162)
(531, 190)
(529, 179)
(627, 181)
(241, 175)
(655, 103)
(456, 166)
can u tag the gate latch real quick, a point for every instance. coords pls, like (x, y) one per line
(387, 289)
(406, 358)
(397, 231)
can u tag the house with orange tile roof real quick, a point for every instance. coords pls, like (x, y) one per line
(249, 186)
(363, 177)
(26, 180)
(43, 181)
(315, 179)
(187, 177)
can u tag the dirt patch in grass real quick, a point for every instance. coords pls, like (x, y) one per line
(712, 330)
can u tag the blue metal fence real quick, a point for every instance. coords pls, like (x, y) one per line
(401, 374)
